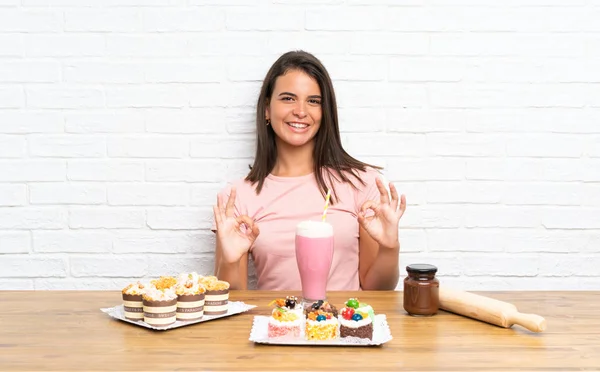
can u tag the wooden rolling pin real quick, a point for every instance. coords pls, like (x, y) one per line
(489, 310)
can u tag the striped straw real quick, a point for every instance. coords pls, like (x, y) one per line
(326, 204)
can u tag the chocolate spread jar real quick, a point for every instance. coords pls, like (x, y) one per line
(421, 290)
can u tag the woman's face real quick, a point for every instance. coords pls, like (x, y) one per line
(295, 108)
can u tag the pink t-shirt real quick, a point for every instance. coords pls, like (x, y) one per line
(281, 205)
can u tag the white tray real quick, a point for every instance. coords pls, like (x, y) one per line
(235, 307)
(260, 334)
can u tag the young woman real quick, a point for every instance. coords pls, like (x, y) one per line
(299, 156)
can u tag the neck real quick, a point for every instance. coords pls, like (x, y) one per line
(293, 161)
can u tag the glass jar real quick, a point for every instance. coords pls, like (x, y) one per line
(421, 290)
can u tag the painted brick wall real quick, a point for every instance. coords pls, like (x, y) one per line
(120, 120)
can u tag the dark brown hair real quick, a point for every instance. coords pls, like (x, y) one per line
(328, 153)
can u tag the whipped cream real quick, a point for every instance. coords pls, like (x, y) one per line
(154, 294)
(137, 288)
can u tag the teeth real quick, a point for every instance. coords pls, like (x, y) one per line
(299, 126)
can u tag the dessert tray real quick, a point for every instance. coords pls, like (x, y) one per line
(235, 307)
(381, 335)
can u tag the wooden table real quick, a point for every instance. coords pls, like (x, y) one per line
(48, 330)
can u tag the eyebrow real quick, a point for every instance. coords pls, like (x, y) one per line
(293, 95)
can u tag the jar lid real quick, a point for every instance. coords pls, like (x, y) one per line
(421, 269)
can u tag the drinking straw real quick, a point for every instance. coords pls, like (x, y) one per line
(326, 204)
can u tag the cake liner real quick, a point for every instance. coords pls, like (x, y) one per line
(235, 307)
(381, 335)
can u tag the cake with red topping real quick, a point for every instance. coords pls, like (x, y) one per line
(356, 320)
(286, 318)
(321, 321)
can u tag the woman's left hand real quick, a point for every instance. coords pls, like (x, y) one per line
(383, 224)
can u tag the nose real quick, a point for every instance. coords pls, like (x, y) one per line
(299, 109)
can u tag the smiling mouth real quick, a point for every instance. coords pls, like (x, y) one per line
(297, 125)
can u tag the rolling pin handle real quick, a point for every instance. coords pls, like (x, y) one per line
(532, 322)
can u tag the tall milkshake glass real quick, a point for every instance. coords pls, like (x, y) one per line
(314, 253)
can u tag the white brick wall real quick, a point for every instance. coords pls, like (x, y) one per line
(120, 120)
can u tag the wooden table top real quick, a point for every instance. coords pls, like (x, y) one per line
(50, 330)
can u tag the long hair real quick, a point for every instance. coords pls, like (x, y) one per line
(328, 153)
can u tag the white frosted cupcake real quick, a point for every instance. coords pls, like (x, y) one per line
(190, 299)
(160, 307)
(132, 301)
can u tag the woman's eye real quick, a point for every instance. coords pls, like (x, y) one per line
(286, 98)
(315, 101)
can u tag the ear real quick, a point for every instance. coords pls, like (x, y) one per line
(267, 112)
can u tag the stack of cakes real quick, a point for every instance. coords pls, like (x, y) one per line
(321, 320)
(167, 299)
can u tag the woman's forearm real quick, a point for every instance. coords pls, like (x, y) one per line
(235, 273)
(384, 273)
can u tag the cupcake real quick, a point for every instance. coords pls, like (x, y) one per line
(286, 318)
(216, 301)
(321, 322)
(160, 307)
(355, 320)
(190, 298)
(132, 301)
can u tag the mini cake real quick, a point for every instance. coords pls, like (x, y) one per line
(286, 318)
(321, 322)
(190, 298)
(355, 322)
(132, 301)
(216, 301)
(160, 307)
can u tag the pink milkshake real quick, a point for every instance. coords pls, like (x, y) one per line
(314, 253)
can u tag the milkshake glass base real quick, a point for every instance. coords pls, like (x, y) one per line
(306, 303)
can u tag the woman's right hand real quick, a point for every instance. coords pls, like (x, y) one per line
(235, 236)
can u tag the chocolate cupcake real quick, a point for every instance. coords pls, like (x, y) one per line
(217, 296)
(160, 307)
(132, 301)
(190, 298)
